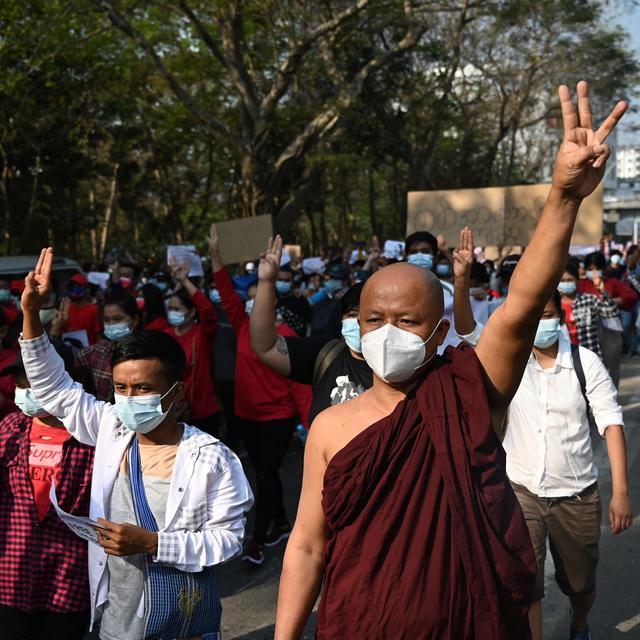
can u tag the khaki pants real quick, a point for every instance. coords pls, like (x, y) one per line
(573, 527)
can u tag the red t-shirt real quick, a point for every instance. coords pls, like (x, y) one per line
(11, 312)
(45, 455)
(158, 324)
(570, 321)
(84, 316)
(197, 343)
(7, 383)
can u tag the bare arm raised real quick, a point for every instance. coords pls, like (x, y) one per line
(271, 349)
(507, 340)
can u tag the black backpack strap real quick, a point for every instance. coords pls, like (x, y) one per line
(577, 365)
(327, 355)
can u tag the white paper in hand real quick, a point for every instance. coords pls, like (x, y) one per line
(80, 525)
(182, 252)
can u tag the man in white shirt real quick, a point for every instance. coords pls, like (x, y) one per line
(171, 499)
(551, 467)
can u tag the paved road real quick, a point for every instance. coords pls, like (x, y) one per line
(249, 595)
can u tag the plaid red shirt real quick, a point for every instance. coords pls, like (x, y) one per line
(94, 362)
(43, 565)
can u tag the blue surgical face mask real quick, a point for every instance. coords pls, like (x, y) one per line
(616, 259)
(27, 403)
(443, 269)
(589, 274)
(424, 260)
(5, 295)
(567, 288)
(351, 334)
(214, 296)
(115, 331)
(283, 287)
(333, 284)
(141, 414)
(548, 333)
(176, 318)
(163, 286)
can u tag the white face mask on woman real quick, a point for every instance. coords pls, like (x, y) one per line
(395, 354)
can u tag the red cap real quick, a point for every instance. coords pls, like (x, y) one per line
(78, 278)
(17, 286)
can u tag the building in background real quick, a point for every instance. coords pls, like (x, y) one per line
(622, 192)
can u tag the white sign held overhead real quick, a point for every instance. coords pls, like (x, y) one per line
(182, 252)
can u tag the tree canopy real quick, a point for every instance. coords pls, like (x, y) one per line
(134, 123)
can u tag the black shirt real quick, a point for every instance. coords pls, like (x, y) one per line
(295, 312)
(346, 377)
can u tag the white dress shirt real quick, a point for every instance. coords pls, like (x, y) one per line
(547, 441)
(208, 497)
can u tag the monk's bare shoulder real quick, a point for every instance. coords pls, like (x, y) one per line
(336, 426)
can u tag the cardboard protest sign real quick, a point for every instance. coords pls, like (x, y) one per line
(523, 206)
(446, 212)
(244, 239)
(182, 252)
(499, 216)
(294, 251)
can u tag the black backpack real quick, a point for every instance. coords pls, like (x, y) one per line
(327, 355)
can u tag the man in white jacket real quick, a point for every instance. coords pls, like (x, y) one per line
(171, 498)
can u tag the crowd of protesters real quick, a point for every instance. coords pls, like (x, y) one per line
(134, 396)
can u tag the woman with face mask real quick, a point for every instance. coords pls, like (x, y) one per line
(194, 324)
(550, 463)
(154, 310)
(83, 314)
(120, 316)
(51, 599)
(584, 312)
(596, 284)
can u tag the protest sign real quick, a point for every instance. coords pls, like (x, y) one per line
(498, 216)
(314, 264)
(79, 336)
(99, 278)
(182, 252)
(243, 239)
(80, 525)
(393, 249)
(294, 251)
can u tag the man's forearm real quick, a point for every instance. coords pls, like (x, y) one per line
(617, 452)
(31, 325)
(299, 588)
(544, 261)
(263, 322)
(463, 314)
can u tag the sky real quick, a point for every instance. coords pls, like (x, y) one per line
(628, 16)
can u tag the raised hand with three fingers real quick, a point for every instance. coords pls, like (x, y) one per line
(37, 284)
(269, 266)
(582, 157)
(463, 255)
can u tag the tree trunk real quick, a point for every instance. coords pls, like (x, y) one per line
(108, 212)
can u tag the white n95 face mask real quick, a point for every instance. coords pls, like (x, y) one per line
(395, 354)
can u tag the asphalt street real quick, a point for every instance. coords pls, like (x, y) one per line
(249, 594)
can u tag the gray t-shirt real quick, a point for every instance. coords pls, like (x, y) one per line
(120, 620)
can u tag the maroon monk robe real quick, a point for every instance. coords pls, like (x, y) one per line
(428, 539)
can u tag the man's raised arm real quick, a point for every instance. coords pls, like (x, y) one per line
(270, 348)
(60, 396)
(507, 340)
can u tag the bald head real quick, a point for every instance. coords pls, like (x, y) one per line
(405, 283)
(404, 295)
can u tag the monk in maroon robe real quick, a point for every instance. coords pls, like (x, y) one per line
(406, 513)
